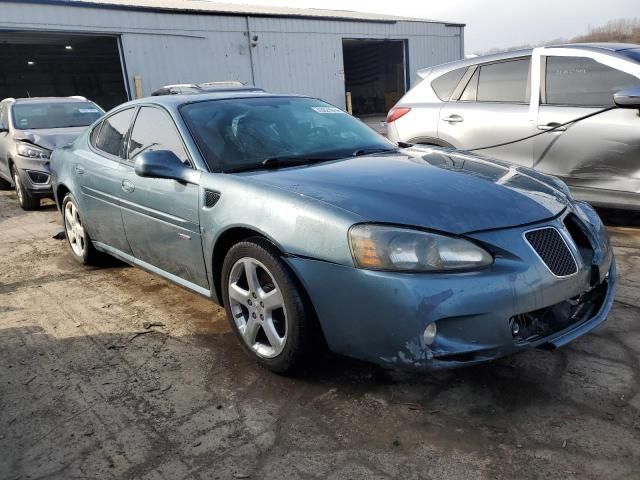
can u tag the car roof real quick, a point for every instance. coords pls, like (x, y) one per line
(609, 47)
(177, 100)
(46, 100)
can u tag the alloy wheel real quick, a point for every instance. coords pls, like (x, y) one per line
(74, 229)
(257, 306)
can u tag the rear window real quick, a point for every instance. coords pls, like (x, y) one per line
(34, 116)
(114, 129)
(445, 84)
(504, 82)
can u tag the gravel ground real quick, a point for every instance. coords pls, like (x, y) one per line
(89, 389)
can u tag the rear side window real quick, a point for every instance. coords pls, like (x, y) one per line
(154, 130)
(580, 81)
(445, 84)
(504, 81)
(114, 129)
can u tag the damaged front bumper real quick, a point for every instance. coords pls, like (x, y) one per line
(381, 316)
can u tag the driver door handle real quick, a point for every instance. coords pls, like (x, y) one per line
(453, 119)
(555, 125)
(127, 186)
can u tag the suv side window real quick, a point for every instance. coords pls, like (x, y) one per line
(113, 131)
(445, 84)
(581, 81)
(154, 130)
(501, 82)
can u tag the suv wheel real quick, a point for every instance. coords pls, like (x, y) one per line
(27, 202)
(78, 239)
(265, 306)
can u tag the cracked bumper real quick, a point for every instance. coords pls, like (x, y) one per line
(381, 316)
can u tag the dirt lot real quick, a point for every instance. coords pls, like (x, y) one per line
(87, 392)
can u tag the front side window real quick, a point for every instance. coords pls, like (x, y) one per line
(244, 132)
(154, 130)
(114, 129)
(504, 82)
(581, 81)
(44, 115)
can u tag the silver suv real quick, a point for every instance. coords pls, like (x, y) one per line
(486, 101)
(30, 129)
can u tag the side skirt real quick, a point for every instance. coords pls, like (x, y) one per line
(131, 260)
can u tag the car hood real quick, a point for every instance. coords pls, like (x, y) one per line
(433, 189)
(50, 138)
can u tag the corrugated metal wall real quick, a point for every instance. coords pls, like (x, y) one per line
(291, 55)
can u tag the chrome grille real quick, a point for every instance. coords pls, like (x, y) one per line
(553, 250)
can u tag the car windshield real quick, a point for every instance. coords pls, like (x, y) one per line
(41, 115)
(244, 133)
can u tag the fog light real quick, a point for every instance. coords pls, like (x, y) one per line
(515, 329)
(430, 333)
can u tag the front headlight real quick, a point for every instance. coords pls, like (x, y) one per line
(381, 247)
(31, 151)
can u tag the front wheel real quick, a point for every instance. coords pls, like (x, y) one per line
(26, 201)
(265, 306)
(78, 239)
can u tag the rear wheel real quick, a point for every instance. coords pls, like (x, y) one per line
(265, 306)
(78, 239)
(27, 202)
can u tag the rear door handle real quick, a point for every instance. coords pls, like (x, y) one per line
(127, 186)
(79, 169)
(553, 125)
(453, 119)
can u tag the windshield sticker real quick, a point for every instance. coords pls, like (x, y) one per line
(88, 110)
(327, 110)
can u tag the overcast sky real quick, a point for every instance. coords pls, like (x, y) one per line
(491, 23)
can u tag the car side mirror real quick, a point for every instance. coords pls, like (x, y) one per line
(165, 164)
(629, 98)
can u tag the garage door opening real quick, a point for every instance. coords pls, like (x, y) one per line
(375, 74)
(59, 65)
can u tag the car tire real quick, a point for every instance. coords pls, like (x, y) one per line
(26, 201)
(270, 309)
(78, 239)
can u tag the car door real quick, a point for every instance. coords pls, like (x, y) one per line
(98, 171)
(161, 216)
(492, 108)
(600, 152)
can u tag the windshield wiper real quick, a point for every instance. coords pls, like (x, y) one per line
(279, 162)
(372, 151)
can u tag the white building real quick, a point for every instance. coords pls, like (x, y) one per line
(114, 50)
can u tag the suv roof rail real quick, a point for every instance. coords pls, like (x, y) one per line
(9, 99)
(78, 97)
(186, 88)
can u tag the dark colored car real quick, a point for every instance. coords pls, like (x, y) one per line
(309, 227)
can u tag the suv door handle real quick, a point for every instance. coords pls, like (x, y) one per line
(453, 119)
(79, 169)
(555, 125)
(127, 186)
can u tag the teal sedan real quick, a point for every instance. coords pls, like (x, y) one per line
(313, 231)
